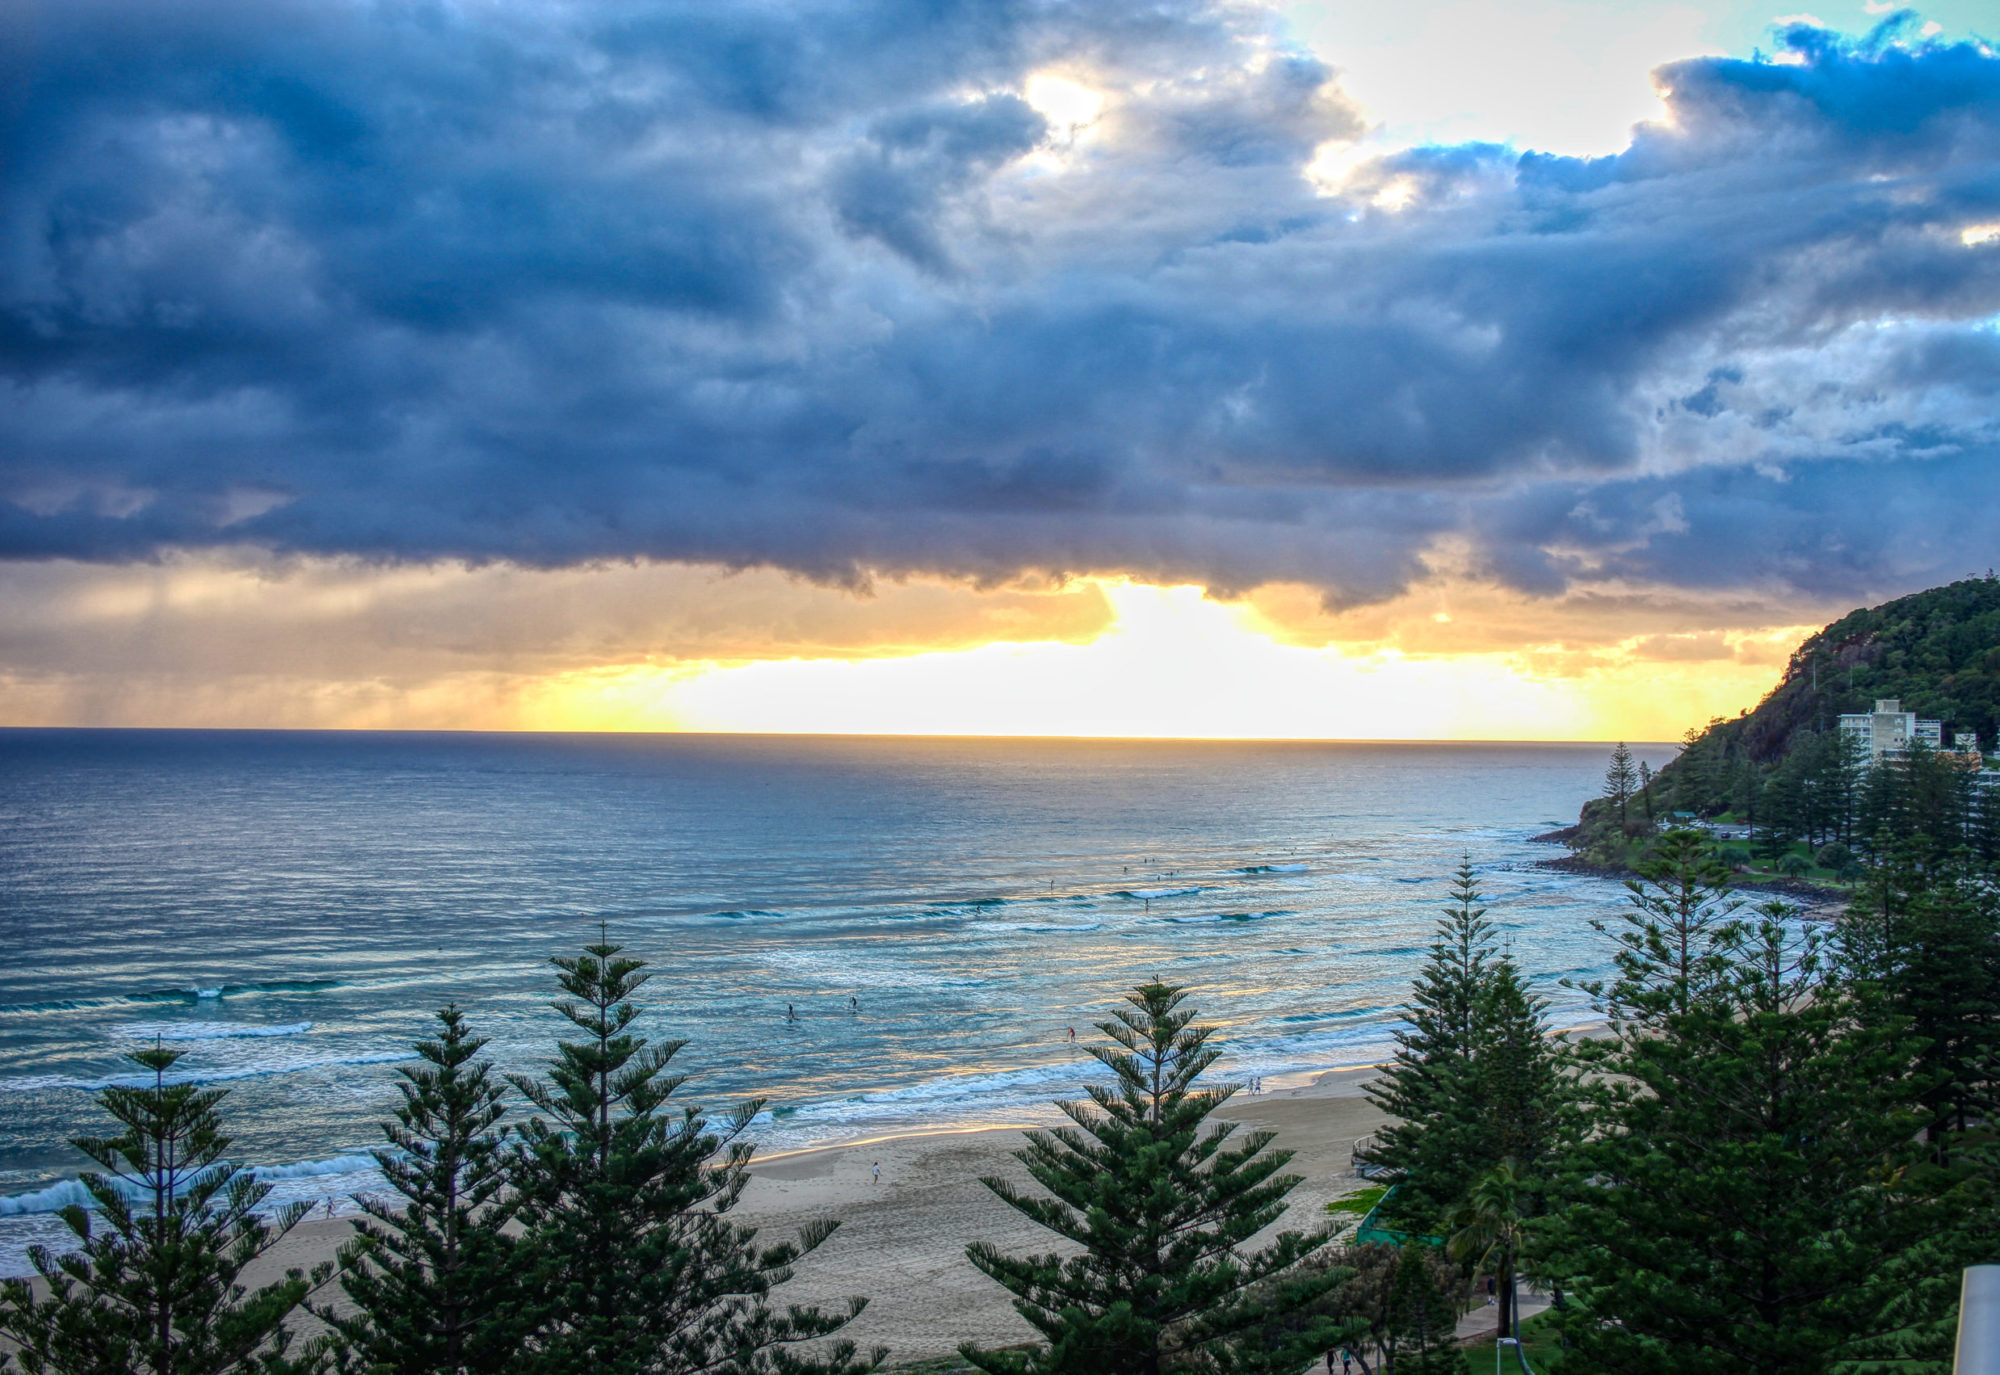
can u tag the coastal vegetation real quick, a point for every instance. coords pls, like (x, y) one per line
(1777, 1155)
(427, 1276)
(1160, 1206)
(154, 1287)
(1475, 1080)
(1755, 1159)
(1779, 1151)
(595, 1237)
(629, 1261)
(1785, 772)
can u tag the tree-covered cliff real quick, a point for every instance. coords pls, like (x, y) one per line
(1782, 767)
(1938, 651)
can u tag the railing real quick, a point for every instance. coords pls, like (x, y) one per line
(1978, 1322)
(1363, 1166)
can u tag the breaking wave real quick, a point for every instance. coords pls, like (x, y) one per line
(206, 1031)
(34, 1083)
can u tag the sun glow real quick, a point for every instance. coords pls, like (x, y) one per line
(1067, 105)
(666, 647)
(1173, 664)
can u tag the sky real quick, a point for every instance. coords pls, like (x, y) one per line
(1434, 370)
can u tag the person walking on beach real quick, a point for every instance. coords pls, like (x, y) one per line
(877, 1172)
(1072, 1035)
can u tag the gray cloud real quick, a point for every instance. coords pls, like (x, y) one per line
(812, 286)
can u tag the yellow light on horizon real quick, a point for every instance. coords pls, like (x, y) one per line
(671, 648)
(1173, 665)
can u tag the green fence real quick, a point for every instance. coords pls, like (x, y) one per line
(1372, 1230)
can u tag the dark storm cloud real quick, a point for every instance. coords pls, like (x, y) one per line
(815, 286)
(896, 185)
(1843, 527)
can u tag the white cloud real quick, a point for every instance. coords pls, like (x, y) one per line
(1561, 76)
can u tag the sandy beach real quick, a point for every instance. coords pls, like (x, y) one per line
(902, 1242)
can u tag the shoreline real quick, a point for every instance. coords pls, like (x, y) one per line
(902, 1241)
(1815, 900)
(1287, 1084)
(349, 1175)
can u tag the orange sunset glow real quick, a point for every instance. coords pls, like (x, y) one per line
(661, 648)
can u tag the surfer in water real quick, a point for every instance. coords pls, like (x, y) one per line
(791, 1013)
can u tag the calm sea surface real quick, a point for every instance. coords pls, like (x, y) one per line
(287, 908)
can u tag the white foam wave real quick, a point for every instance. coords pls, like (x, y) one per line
(314, 1169)
(63, 1194)
(836, 971)
(205, 1031)
(277, 1065)
(1028, 1094)
(1151, 893)
(1025, 1091)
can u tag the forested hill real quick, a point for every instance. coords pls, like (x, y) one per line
(1937, 651)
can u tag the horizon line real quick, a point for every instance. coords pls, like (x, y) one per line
(837, 735)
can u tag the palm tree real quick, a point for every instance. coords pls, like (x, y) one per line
(1488, 1232)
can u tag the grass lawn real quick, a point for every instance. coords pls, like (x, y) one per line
(1734, 852)
(1538, 1340)
(1358, 1204)
(936, 1365)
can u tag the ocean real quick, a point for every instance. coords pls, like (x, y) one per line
(874, 934)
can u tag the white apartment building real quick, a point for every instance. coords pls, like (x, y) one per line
(1887, 731)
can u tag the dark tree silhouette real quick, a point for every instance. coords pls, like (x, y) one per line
(634, 1266)
(1163, 1204)
(432, 1280)
(157, 1288)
